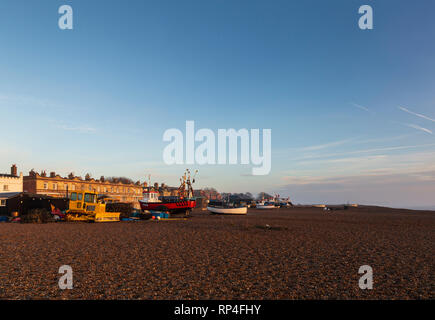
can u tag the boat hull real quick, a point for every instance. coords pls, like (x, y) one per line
(238, 211)
(173, 207)
(262, 207)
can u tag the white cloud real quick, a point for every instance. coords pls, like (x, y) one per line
(326, 145)
(420, 165)
(16, 101)
(395, 190)
(80, 129)
(373, 150)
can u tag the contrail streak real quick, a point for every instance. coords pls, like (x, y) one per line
(361, 107)
(419, 128)
(416, 114)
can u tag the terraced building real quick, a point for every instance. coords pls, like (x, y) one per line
(56, 186)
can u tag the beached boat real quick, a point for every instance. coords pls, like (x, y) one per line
(266, 205)
(183, 203)
(226, 207)
(228, 210)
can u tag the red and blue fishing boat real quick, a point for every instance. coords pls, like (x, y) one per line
(183, 202)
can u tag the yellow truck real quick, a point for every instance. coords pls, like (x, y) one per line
(85, 206)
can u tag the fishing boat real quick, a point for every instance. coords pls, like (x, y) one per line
(225, 207)
(228, 210)
(184, 202)
(266, 205)
(271, 203)
(283, 202)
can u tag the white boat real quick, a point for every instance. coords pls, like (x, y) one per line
(266, 205)
(223, 210)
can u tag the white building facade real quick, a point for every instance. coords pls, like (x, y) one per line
(10, 183)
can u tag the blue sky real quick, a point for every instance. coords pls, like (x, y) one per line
(351, 111)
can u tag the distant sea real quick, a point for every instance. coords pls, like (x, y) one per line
(431, 208)
(421, 208)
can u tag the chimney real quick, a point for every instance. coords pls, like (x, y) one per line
(14, 170)
(53, 174)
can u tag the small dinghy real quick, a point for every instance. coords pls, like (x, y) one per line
(228, 210)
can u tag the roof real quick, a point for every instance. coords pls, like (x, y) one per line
(7, 195)
(57, 177)
(8, 175)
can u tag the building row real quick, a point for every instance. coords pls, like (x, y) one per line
(114, 189)
(57, 186)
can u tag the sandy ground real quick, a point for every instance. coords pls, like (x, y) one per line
(306, 254)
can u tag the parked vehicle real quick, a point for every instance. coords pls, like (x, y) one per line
(85, 206)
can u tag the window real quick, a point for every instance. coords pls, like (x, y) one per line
(65, 186)
(90, 187)
(5, 187)
(73, 196)
(45, 186)
(73, 187)
(90, 198)
(2, 203)
(80, 196)
(54, 186)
